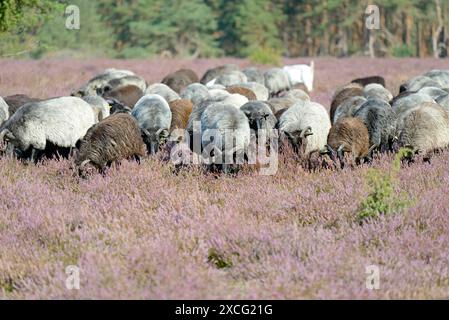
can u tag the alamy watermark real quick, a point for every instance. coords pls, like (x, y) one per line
(372, 20)
(72, 282)
(373, 277)
(73, 20)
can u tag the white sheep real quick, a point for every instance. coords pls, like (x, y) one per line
(301, 73)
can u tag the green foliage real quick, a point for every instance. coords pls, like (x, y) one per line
(382, 199)
(402, 51)
(265, 56)
(219, 260)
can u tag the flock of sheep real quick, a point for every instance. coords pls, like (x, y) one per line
(116, 115)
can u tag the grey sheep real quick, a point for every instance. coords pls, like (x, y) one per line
(162, 90)
(379, 118)
(180, 79)
(440, 76)
(348, 108)
(122, 82)
(60, 121)
(433, 92)
(154, 117)
(259, 90)
(230, 78)
(4, 111)
(225, 134)
(417, 83)
(195, 92)
(116, 138)
(408, 101)
(100, 80)
(297, 94)
(377, 91)
(278, 104)
(100, 106)
(276, 81)
(217, 71)
(254, 75)
(259, 115)
(444, 103)
(306, 125)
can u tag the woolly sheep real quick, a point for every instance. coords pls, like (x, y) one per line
(126, 95)
(113, 139)
(439, 76)
(277, 104)
(180, 79)
(306, 125)
(369, 80)
(276, 81)
(100, 106)
(162, 90)
(195, 92)
(16, 101)
(417, 83)
(260, 116)
(254, 75)
(297, 94)
(259, 90)
(379, 118)
(181, 110)
(348, 108)
(100, 80)
(410, 100)
(154, 117)
(60, 121)
(220, 122)
(344, 93)
(444, 103)
(377, 91)
(433, 92)
(301, 73)
(122, 82)
(231, 78)
(236, 100)
(217, 71)
(248, 93)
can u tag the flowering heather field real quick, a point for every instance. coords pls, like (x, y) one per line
(142, 231)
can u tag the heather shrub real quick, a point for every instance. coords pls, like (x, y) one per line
(382, 198)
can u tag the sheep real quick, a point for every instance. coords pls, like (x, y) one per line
(344, 93)
(162, 90)
(444, 102)
(259, 90)
(60, 122)
(180, 79)
(225, 132)
(216, 72)
(117, 106)
(301, 73)
(100, 106)
(235, 99)
(277, 104)
(4, 111)
(100, 80)
(248, 93)
(195, 92)
(230, 78)
(154, 117)
(369, 80)
(259, 115)
(16, 101)
(276, 81)
(306, 125)
(195, 115)
(348, 108)
(122, 82)
(349, 135)
(440, 76)
(218, 94)
(300, 86)
(181, 110)
(113, 139)
(417, 83)
(377, 91)
(433, 92)
(297, 94)
(379, 118)
(407, 101)
(254, 75)
(424, 129)
(126, 95)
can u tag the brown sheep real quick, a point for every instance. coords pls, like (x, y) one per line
(368, 80)
(16, 101)
(344, 93)
(277, 104)
(180, 79)
(127, 95)
(181, 110)
(113, 139)
(349, 135)
(248, 93)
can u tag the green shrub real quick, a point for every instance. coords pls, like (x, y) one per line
(265, 56)
(403, 51)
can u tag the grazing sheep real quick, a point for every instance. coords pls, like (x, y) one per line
(100, 80)
(16, 101)
(113, 139)
(254, 75)
(444, 103)
(181, 110)
(377, 91)
(235, 99)
(433, 92)
(180, 79)
(117, 106)
(348, 108)
(344, 93)
(195, 92)
(301, 73)
(230, 78)
(122, 82)
(259, 115)
(154, 117)
(379, 118)
(60, 122)
(4, 111)
(424, 129)
(297, 94)
(306, 125)
(277, 104)
(162, 90)
(440, 76)
(225, 132)
(300, 86)
(276, 81)
(349, 135)
(218, 94)
(217, 71)
(259, 90)
(410, 100)
(195, 115)
(417, 83)
(126, 95)
(100, 106)
(369, 80)
(248, 93)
